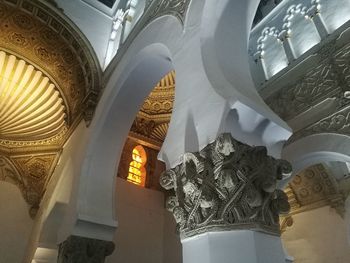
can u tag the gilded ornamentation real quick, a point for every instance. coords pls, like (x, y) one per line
(153, 119)
(30, 174)
(35, 32)
(227, 185)
(40, 37)
(312, 188)
(35, 172)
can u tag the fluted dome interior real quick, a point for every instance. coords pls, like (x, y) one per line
(30, 105)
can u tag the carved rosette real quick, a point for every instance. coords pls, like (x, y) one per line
(228, 185)
(84, 250)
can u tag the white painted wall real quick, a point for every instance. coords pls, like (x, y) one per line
(96, 25)
(318, 236)
(15, 224)
(143, 227)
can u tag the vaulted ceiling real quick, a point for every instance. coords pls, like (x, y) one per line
(49, 78)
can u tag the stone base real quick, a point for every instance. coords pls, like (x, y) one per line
(241, 246)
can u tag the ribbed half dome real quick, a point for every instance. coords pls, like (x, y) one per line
(30, 106)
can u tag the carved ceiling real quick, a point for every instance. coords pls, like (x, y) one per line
(49, 80)
(313, 188)
(152, 121)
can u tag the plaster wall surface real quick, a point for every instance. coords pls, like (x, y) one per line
(143, 227)
(16, 224)
(95, 25)
(317, 236)
(239, 246)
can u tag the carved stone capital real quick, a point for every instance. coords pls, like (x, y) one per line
(84, 250)
(227, 185)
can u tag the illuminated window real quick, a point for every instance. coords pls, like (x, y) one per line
(137, 171)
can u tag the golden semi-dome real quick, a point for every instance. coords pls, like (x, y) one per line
(30, 105)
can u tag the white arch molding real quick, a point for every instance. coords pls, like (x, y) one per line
(317, 148)
(209, 56)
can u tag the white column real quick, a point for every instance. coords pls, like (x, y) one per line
(261, 70)
(316, 18)
(226, 204)
(287, 45)
(239, 246)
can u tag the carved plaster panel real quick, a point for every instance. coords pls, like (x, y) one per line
(42, 36)
(177, 8)
(228, 185)
(337, 123)
(30, 174)
(153, 119)
(50, 79)
(330, 79)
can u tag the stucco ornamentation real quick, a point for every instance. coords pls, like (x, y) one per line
(227, 185)
(330, 79)
(84, 250)
(178, 8)
(30, 174)
(337, 123)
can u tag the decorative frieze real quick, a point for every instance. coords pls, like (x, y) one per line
(177, 8)
(227, 185)
(337, 123)
(84, 250)
(330, 79)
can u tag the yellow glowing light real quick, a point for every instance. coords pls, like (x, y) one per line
(137, 172)
(30, 106)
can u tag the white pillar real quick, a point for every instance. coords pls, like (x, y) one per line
(316, 18)
(287, 45)
(226, 203)
(238, 246)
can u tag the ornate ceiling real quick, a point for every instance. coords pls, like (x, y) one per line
(313, 188)
(152, 121)
(49, 80)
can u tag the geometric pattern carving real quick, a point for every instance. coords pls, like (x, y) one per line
(337, 123)
(227, 185)
(160, 100)
(153, 119)
(312, 188)
(35, 172)
(40, 35)
(42, 40)
(29, 174)
(317, 85)
(330, 79)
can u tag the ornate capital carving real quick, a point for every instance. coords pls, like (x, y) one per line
(84, 250)
(228, 185)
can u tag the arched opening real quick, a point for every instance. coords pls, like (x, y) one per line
(318, 189)
(138, 163)
(137, 172)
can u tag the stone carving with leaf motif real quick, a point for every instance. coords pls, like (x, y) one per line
(177, 8)
(227, 185)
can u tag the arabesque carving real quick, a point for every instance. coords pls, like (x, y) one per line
(176, 8)
(84, 250)
(330, 79)
(337, 123)
(30, 174)
(227, 185)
